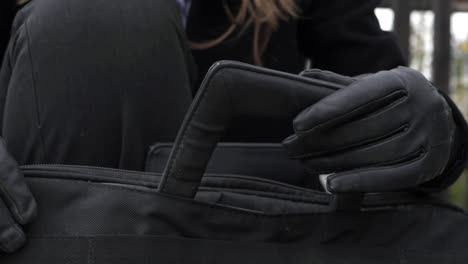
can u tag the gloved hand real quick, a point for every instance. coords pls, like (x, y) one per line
(388, 131)
(17, 205)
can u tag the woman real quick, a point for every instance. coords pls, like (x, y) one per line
(96, 83)
(95, 68)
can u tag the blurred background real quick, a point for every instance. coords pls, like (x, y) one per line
(434, 36)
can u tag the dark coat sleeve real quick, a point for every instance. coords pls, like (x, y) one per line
(345, 37)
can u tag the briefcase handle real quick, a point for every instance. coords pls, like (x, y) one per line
(233, 90)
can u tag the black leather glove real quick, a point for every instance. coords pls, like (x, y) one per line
(17, 205)
(388, 131)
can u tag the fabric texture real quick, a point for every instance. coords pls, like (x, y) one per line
(99, 87)
(74, 226)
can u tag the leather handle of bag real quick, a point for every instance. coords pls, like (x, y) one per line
(233, 90)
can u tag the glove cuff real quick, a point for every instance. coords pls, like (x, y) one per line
(459, 155)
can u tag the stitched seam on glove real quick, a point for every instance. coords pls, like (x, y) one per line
(367, 116)
(402, 130)
(350, 113)
(405, 159)
(422, 154)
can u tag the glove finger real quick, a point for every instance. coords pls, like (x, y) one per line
(13, 189)
(328, 76)
(398, 147)
(378, 179)
(11, 235)
(369, 130)
(357, 101)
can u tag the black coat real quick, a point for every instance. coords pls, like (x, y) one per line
(340, 36)
(343, 37)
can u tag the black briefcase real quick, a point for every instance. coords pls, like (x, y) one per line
(103, 216)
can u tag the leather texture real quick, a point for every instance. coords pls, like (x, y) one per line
(382, 132)
(17, 204)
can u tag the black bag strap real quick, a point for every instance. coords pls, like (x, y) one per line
(233, 90)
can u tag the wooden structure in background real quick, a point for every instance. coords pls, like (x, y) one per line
(443, 10)
(442, 39)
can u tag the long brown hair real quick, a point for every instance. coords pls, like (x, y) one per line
(264, 15)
